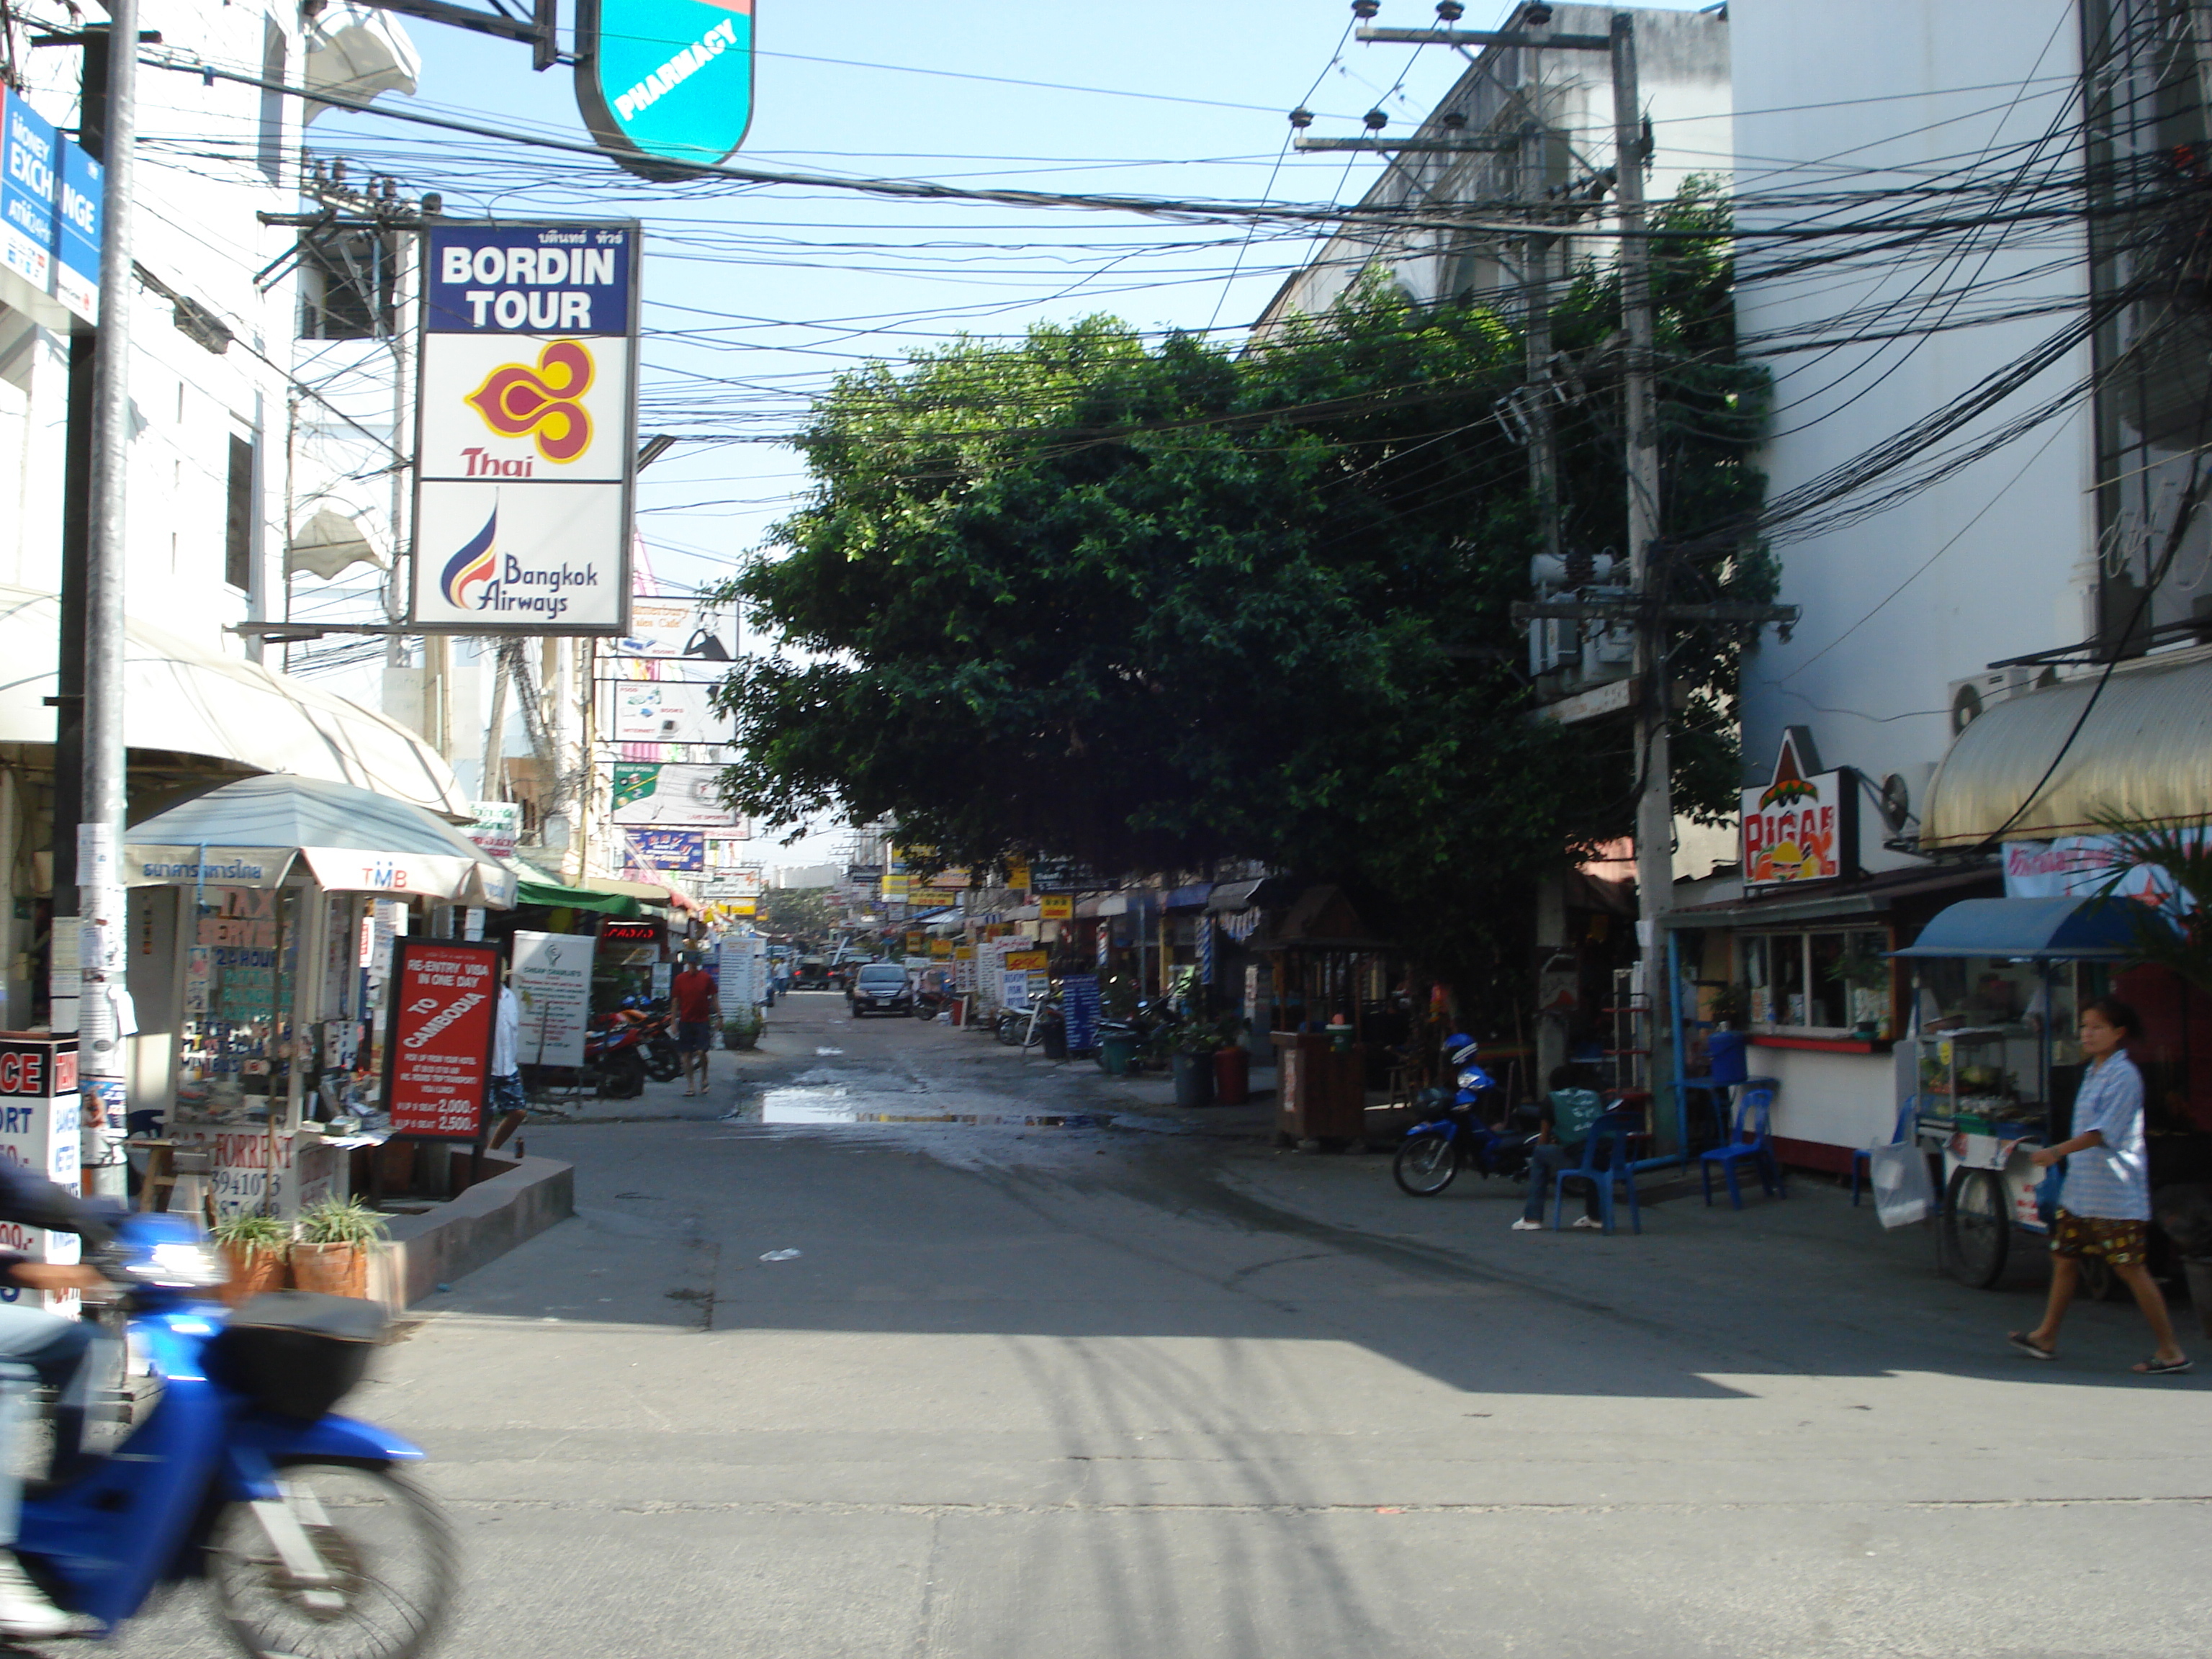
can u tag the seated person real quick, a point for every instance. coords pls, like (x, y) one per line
(1569, 1113)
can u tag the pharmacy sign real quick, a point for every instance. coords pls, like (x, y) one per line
(665, 83)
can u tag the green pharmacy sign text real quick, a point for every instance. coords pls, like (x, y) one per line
(665, 83)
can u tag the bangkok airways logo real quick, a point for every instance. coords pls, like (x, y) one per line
(541, 404)
(476, 563)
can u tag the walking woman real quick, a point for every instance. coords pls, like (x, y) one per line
(2104, 1208)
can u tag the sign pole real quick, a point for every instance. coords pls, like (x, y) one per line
(101, 897)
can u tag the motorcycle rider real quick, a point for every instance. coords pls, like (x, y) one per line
(32, 1339)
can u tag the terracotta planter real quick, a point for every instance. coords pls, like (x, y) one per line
(335, 1269)
(253, 1269)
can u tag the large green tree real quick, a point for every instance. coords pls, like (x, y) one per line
(1152, 604)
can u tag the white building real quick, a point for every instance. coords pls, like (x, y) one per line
(213, 314)
(1950, 641)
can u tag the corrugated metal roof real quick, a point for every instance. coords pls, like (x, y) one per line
(2144, 752)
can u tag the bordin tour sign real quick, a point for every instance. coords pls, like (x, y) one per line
(437, 1049)
(665, 82)
(525, 428)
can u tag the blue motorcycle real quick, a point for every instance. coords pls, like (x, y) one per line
(312, 1541)
(1436, 1149)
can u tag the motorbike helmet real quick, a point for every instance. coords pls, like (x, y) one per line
(630, 1002)
(1461, 1046)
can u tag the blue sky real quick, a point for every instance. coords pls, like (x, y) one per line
(755, 298)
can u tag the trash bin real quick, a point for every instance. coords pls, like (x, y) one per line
(1232, 1076)
(1117, 1054)
(1193, 1078)
(1319, 1093)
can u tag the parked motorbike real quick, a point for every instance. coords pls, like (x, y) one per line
(614, 1057)
(1137, 1027)
(300, 1522)
(1453, 1136)
(1030, 1027)
(663, 1060)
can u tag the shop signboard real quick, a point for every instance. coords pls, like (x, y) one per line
(671, 794)
(49, 212)
(665, 849)
(663, 84)
(666, 711)
(552, 980)
(896, 888)
(1055, 906)
(629, 932)
(437, 1048)
(497, 827)
(76, 242)
(689, 638)
(1802, 826)
(525, 428)
(2090, 866)
(1079, 1002)
(963, 970)
(941, 949)
(39, 1132)
(30, 192)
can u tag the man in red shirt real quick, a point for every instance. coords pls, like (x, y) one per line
(693, 995)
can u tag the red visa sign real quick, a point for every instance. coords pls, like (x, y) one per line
(437, 1049)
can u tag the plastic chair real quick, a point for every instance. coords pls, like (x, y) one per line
(1749, 1142)
(1862, 1159)
(1606, 1164)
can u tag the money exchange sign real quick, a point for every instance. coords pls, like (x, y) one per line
(525, 428)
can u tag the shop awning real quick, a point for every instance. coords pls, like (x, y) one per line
(553, 895)
(1191, 897)
(180, 696)
(2143, 752)
(2102, 930)
(249, 833)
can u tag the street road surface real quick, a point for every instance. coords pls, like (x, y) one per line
(1044, 1390)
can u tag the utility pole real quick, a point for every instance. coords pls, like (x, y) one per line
(1551, 1031)
(1655, 799)
(102, 953)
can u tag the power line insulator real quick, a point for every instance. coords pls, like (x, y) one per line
(1449, 11)
(1364, 9)
(1374, 120)
(1536, 16)
(1454, 120)
(1302, 118)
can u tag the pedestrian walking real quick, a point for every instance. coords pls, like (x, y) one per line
(693, 994)
(509, 1106)
(2104, 1207)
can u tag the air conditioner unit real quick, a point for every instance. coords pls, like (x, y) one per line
(1973, 696)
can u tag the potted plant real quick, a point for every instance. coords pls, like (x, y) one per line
(1865, 974)
(742, 1029)
(1192, 1043)
(257, 1247)
(334, 1238)
(1731, 1004)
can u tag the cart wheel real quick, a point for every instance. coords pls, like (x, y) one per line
(2100, 1283)
(1977, 1228)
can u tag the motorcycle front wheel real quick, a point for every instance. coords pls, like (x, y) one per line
(385, 1566)
(621, 1077)
(664, 1060)
(1425, 1165)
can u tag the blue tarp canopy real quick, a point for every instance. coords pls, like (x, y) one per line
(2092, 929)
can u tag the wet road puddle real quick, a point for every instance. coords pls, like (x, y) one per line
(837, 1103)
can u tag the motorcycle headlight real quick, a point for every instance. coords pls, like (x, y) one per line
(181, 1264)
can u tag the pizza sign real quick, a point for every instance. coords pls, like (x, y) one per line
(1802, 825)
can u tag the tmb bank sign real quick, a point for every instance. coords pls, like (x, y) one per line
(1802, 824)
(526, 429)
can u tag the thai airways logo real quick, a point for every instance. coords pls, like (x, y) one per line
(542, 402)
(477, 561)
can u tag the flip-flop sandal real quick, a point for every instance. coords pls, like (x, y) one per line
(2033, 1350)
(2156, 1367)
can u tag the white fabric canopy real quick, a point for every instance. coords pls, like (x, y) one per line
(180, 696)
(246, 834)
